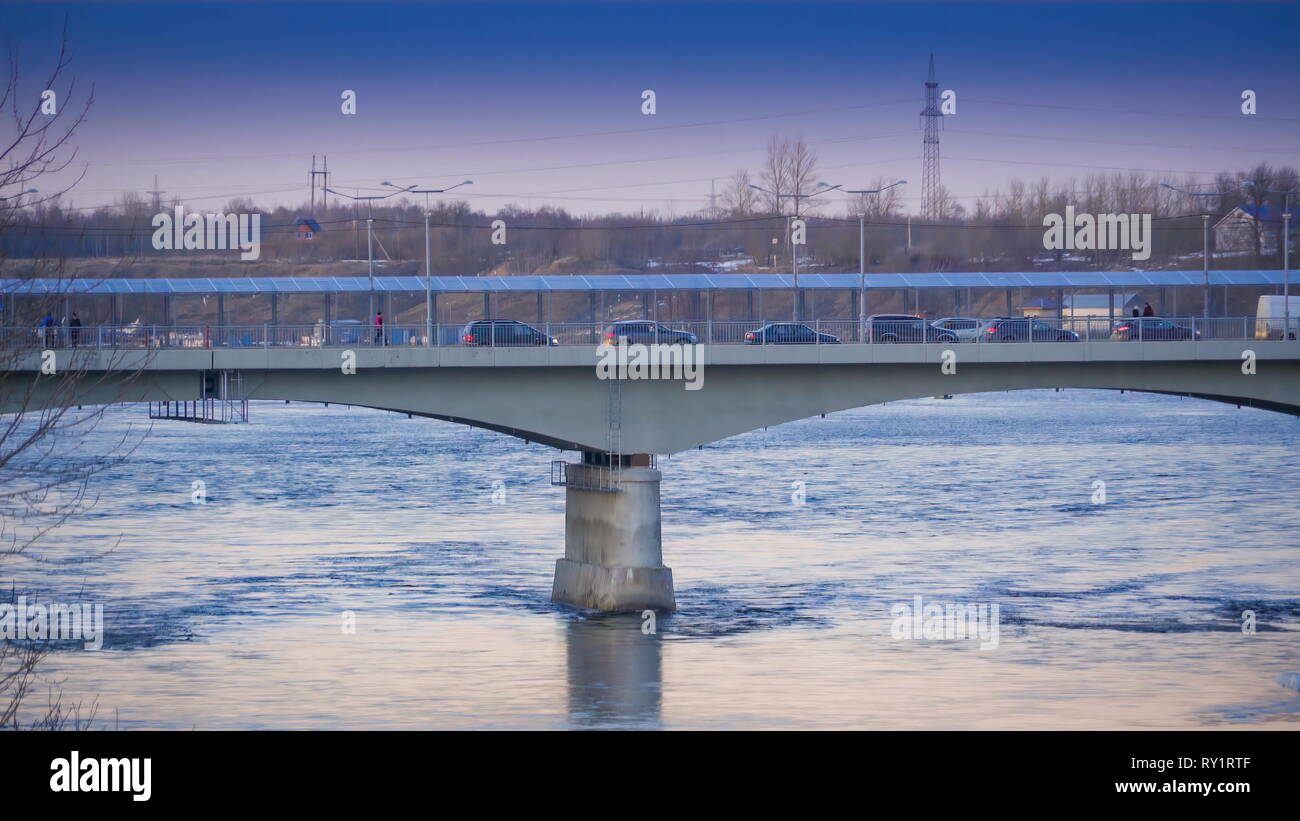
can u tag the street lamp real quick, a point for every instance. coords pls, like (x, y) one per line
(794, 253)
(428, 252)
(370, 241)
(862, 247)
(1205, 242)
(1286, 256)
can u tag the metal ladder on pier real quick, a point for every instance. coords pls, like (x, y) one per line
(221, 402)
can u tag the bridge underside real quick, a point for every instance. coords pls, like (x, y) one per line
(568, 407)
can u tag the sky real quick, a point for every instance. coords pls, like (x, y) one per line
(540, 103)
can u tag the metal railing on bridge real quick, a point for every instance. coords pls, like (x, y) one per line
(753, 332)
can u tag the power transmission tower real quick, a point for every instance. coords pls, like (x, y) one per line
(157, 195)
(324, 173)
(930, 115)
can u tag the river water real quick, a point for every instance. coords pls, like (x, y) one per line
(439, 542)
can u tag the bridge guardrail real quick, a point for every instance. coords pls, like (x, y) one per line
(724, 332)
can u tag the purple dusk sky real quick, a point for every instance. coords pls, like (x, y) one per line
(540, 103)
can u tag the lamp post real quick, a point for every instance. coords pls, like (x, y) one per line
(862, 248)
(370, 244)
(794, 253)
(1286, 256)
(428, 251)
(1286, 268)
(1205, 243)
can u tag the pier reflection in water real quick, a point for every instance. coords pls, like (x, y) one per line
(615, 673)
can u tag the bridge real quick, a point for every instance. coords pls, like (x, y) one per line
(553, 394)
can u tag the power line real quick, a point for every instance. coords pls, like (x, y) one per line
(1138, 112)
(516, 140)
(1082, 165)
(1269, 150)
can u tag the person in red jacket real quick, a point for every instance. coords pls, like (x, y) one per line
(379, 328)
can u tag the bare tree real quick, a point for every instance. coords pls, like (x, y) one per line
(738, 199)
(46, 461)
(801, 165)
(1255, 186)
(776, 173)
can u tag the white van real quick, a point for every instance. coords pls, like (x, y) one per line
(1270, 316)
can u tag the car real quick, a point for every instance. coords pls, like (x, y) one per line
(788, 333)
(345, 332)
(890, 328)
(1024, 329)
(966, 328)
(646, 332)
(1146, 328)
(1271, 315)
(503, 333)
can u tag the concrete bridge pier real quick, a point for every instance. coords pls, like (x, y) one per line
(613, 545)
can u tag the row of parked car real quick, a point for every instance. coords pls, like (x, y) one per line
(1021, 329)
(880, 328)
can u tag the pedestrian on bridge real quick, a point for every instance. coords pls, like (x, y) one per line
(1147, 310)
(379, 328)
(48, 324)
(75, 325)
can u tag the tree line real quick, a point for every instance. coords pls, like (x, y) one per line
(749, 226)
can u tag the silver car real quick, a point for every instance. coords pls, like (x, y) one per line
(967, 329)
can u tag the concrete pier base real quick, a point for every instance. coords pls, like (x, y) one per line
(613, 545)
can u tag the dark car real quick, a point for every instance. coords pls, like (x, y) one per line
(1024, 329)
(503, 333)
(905, 328)
(646, 332)
(788, 333)
(1145, 328)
